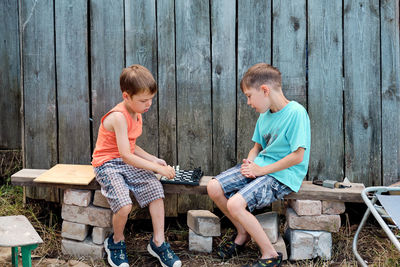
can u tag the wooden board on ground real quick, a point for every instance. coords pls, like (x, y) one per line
(67, 174)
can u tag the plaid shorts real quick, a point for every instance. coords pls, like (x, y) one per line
(258, 193)
(116, 178)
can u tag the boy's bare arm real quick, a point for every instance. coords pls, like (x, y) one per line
(143, 154)
(252, 170)
(254, 152)
(119, 125)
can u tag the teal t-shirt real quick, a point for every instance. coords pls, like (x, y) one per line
(280, 134)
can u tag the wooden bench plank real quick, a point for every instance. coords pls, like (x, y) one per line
(308, 190)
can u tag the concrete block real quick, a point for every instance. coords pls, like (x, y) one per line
(100, 200)
(99, 234)
(270, 224)
(77, 197)
(333, 207)
(306, 207)
(90, 215)
(76, 231)
(204, 222)
(199, 243)
(86, 248)
(325, 222)
(309, 244)
(280, 246)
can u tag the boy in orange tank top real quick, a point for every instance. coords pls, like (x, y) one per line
(122, 166)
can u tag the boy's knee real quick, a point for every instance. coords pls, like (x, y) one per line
(214, 189)
(235, 206)
(125, 210)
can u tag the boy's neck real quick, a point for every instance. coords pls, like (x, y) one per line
(130, 111)
(279, 103)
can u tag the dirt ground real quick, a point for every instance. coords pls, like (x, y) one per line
(373, 245)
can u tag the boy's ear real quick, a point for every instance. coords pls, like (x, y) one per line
(125, 95)
(265, 89)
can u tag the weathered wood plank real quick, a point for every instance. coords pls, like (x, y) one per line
(10, 77)
(362, 94)
(254, 46)
(325, 92)
(37, 27)
(307, 190)
(223, 17)
(193, 80)
(106, 57)
(390, 64)
(289, 47)
(193, 84)
(72, 82)
(40, 124)
(141, 48)
(166, 81)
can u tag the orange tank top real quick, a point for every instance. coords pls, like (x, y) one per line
(106, 145)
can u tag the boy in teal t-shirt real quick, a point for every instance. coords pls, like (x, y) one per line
(274, 167)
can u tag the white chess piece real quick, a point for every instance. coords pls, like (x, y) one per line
(177, 168)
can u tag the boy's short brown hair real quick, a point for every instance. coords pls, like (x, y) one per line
(259, 74)
(136, 79)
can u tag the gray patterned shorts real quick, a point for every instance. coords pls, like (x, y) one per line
(258, 192)
(117, 178)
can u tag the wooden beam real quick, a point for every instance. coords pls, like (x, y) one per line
(308, 190)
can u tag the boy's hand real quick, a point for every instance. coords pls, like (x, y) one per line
(167, 171)
(159, 161)
(250, 170)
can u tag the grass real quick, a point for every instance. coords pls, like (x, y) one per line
(374, 246)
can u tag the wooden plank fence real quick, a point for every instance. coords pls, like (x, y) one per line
(340, 59)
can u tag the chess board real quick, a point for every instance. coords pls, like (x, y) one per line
(187, 177)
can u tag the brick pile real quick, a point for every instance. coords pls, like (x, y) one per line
(87, 221)
(203, 225)
(309, 226)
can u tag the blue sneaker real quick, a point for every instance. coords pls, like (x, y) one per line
(116, 252)
(164, 254)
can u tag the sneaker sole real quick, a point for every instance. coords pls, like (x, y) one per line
(154, 254)
(109, 257)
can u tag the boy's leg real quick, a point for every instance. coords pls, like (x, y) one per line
(216, 193)
(119, 221)
(156, 209)
(236, 206)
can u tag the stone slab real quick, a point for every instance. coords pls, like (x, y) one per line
(199, 243)
(204, 222)
(99, 234)
(280, 246)
(270, 224)
(333, 207)
(77, 197)
(100, 200)
(86, 248)
(11, 225)
(325, 222)
(75, 231)
(90, 215)
(309, 244)
(306, 207)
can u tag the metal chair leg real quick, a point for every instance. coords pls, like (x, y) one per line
(14, 256)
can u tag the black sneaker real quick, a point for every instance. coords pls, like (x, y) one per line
(164, 254)
(272, 262)
(229, 249)
(116, 252)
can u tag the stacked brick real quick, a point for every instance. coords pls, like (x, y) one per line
(203, 225)
(86, 223)
(270, 224)
(309, 227)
